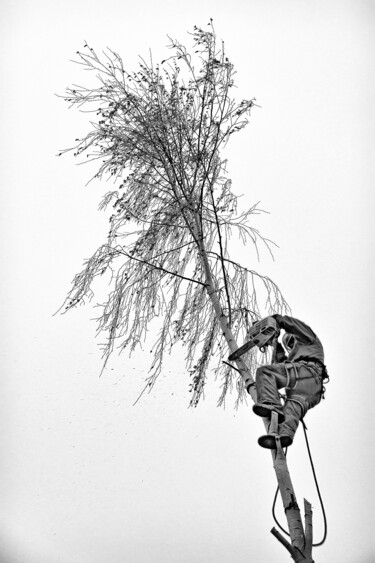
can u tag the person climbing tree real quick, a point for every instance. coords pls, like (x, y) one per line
(158, 136)
(299, 368)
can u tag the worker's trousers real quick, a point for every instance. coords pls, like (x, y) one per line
(303, 386)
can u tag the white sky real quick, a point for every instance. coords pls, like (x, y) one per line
(85, 476)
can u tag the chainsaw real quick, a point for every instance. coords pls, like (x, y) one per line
(261, 334)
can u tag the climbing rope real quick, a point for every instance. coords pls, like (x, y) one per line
(318, 491)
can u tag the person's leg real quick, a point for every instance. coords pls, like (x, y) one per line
(303, 393)
(293, 412)
(269, 379)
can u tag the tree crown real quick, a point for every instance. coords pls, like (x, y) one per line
(159, 134)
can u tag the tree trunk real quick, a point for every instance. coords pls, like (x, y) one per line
(300, 547)
(301, 540)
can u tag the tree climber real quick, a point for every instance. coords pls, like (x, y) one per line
(301, 372)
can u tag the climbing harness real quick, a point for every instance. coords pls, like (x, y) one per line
(317, 489)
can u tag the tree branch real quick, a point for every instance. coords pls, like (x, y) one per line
(222, 258)
(156, 267)
(285, 543)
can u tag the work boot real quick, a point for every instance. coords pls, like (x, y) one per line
(265, 410)
(269, 441)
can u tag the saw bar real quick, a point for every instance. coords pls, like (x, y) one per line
(261, 333)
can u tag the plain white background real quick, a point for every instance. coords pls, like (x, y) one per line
(86, 477)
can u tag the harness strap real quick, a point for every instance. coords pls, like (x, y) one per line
(293, 377)
(291, 370)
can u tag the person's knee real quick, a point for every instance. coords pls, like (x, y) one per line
(296, 405)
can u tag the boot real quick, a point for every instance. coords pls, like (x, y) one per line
(264, 410)
(269, 441)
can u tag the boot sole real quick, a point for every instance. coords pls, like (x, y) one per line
(269, 442)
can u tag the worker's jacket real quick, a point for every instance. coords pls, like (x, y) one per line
(307, 345)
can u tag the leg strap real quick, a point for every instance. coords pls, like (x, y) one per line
(291, 376)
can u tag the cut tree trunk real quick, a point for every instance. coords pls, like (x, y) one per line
(300, 547)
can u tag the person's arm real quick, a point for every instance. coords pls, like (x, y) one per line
(279, 355)
(293, 326)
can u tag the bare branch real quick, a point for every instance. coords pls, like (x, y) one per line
(156, 267)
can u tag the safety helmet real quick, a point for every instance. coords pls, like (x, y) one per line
(288, 341)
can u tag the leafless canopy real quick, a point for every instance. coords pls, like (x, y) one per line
(158, 134)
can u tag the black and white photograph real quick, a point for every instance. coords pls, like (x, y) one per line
(187, 274)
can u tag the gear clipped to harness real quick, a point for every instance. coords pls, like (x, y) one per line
(261, 334)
